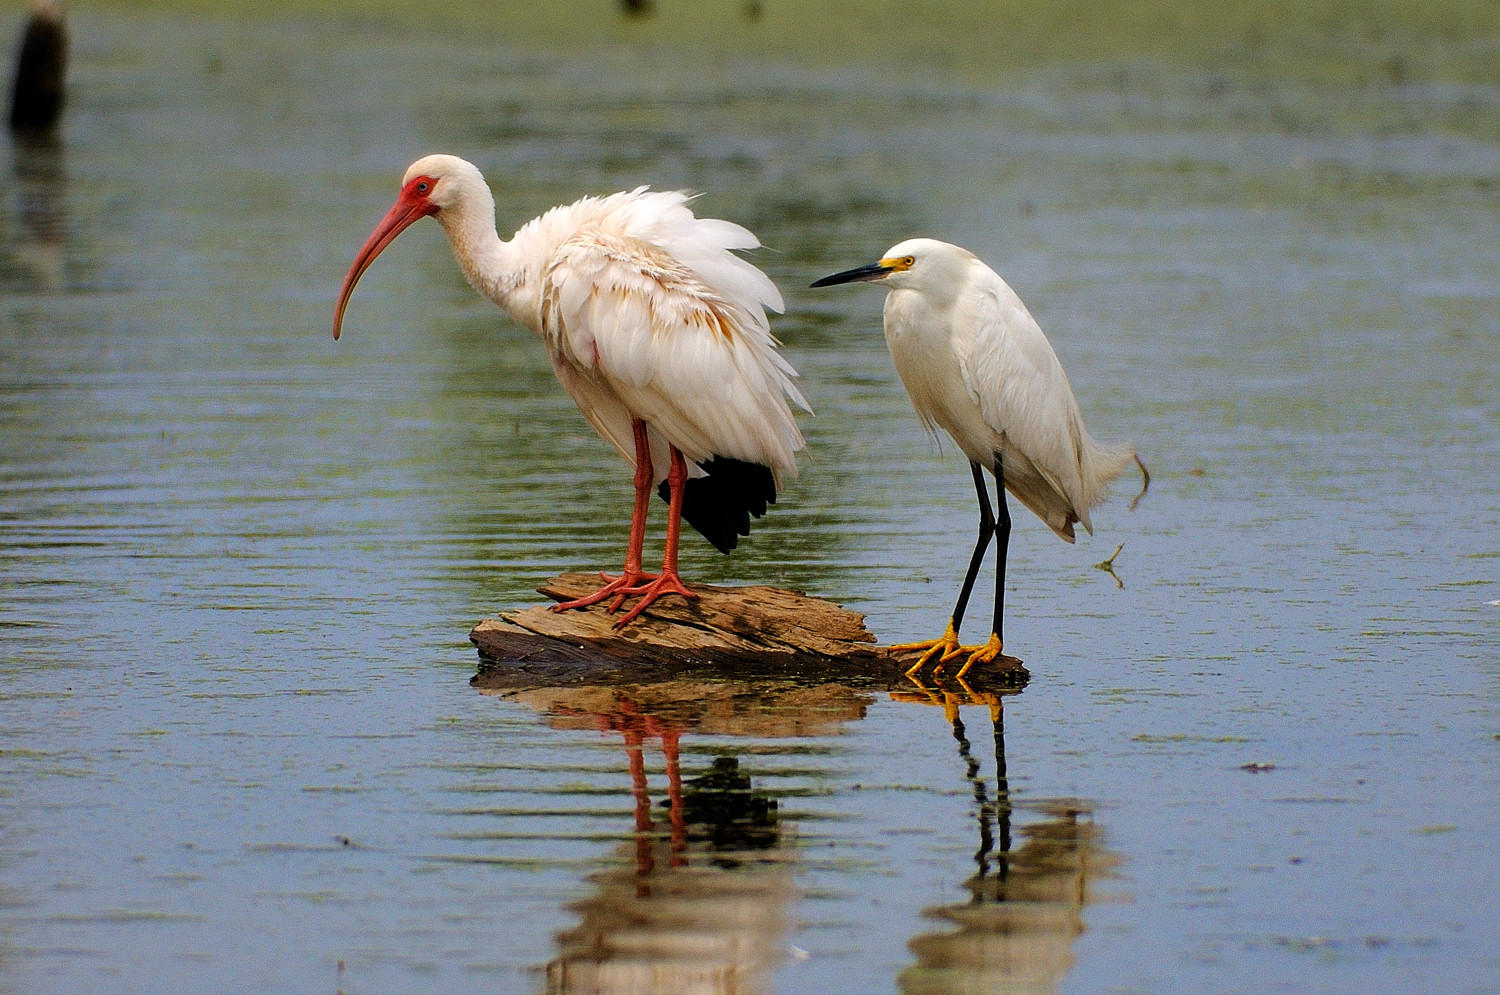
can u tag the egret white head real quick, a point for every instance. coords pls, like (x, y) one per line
(925, 265)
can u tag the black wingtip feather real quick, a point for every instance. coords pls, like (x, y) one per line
(720, 504)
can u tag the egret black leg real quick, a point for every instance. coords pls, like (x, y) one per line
(946, 646)
(1002, 547)
(986, 531)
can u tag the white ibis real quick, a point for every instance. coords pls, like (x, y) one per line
(36, 97)
(977, 365)
(657, 330)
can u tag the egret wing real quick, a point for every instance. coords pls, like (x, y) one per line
(1022, 391)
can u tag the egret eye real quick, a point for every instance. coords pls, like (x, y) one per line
(908, 261)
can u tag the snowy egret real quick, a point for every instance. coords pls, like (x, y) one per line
(977, 365)
(657, 330)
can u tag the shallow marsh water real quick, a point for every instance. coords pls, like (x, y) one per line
(239, 747)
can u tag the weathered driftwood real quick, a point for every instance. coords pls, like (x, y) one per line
(740, 631)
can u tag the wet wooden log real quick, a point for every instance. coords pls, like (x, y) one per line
(733, 631)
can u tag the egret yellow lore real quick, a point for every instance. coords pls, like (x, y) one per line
(657, 330)
(977, 366)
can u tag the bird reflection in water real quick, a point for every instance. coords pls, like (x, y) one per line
(1024, 908)
(702, 907)
(700, 901)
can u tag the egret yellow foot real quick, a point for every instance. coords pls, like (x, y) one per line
(988, 653)
(940, 647)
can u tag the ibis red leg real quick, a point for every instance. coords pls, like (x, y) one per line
(632, 576)
(668, 582)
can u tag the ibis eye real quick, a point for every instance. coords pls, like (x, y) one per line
(423, 186)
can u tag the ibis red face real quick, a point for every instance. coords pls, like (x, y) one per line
(412, 205)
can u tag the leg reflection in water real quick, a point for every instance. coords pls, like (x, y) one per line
(1015, 929)
(702, 907)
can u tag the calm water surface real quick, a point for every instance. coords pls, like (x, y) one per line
(239, 745)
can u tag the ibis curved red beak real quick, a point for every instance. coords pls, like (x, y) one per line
(410, 207)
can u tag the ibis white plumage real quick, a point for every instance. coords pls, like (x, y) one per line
(656, 328)
(977, 366)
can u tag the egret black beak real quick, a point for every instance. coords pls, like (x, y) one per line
(874, 271)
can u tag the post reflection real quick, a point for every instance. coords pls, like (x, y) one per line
(35, 257)
(1014, 928)
(700, 898)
